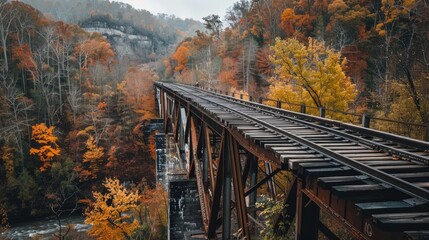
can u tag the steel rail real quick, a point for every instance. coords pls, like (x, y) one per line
(376, 174)
(423, 145)
(354, 138)
(369, 132)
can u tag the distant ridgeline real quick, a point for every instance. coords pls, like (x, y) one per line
(134, 33)
(128, 41)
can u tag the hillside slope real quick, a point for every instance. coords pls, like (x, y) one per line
(136, 34)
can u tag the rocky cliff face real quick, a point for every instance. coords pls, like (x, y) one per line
(128, 45)
(128, 41)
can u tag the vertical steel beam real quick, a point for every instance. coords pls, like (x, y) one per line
(162, 96)
(209, 158)
(226, 204)
(177, 122)
(205, 157)
(307, 216)
(158, 100)
(189, 165)
(253, 181)
(173, 110)
(195, 147)
(167, 113)
(182, 130)
(167, 105)
(240, 201)
(217, 193)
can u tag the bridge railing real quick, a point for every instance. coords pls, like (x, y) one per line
(409, 129)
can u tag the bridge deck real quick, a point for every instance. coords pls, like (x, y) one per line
(376, 183)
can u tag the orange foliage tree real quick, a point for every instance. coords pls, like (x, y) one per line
(287, 21)
(48, 149)
(137, 88)
(24, 58)
(228, 73)
(181, 56)
(96, 49)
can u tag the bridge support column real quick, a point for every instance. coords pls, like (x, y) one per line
(162, 99)
(226, 213)
(217, 192)
(176, 122)
(307, 216)
(229, 179)
(253, 181)
(240, 202)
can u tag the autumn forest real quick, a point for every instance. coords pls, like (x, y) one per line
(76, 103)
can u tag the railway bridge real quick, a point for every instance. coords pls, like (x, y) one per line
(373, 184)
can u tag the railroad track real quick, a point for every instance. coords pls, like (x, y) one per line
(386, 175)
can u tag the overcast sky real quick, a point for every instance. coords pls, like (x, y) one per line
(196, 9)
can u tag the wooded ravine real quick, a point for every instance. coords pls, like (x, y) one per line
(77, 96)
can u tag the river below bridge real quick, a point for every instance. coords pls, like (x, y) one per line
(43, 228)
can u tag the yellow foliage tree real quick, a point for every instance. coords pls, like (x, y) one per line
(312, 73)
(284, 93)
(392, 10)
(110, 213)
(92, 156)
(49, 148)
(401, 108)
